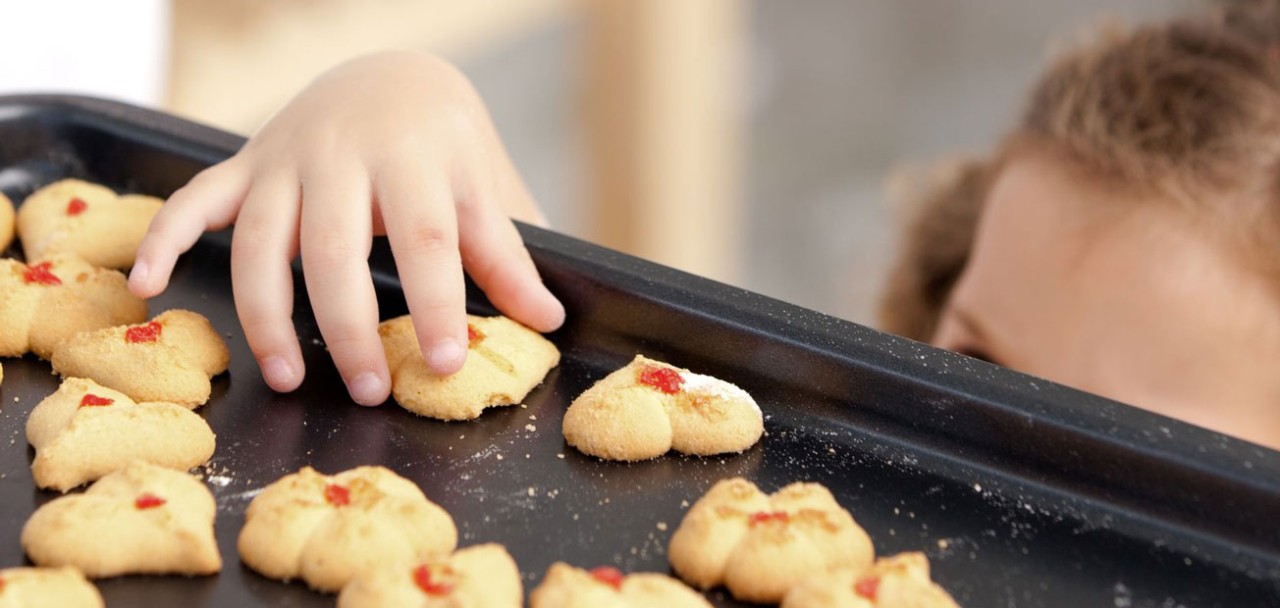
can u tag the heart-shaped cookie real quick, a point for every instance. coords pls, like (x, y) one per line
(606, 587)
(326, 529)
(648, 408)
(483, 575)
(85, 430)
(142, 519)
(91, 221)
(898, 581)
(760, 545)
(46, 302)
(505, 361)
(171, 358)
(61, 587)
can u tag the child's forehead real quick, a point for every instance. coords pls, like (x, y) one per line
(1042, 212)
(1058, 260)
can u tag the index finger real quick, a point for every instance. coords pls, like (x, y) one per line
(210, 201)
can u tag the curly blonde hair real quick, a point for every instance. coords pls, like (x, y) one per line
(1185, 111)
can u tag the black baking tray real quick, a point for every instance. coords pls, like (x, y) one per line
(1022, 492)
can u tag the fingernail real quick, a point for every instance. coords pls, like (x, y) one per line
(446, 357)
(139, 273)
(556, 318)
(278, 373)
(368, 389)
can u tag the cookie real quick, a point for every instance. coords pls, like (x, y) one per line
(484, 576)
(648, 408)
(171, 358)
(6, 222)
(326, 529)
(54, 299)
(85, 430)
(505, 361)
(142, 519)
(900, 581)
(38, 587)
(91, 221)
(759, 545)
(605, 587)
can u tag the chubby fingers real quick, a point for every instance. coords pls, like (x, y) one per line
(335, 235)
(417, 209)
(210, 201)
(262, 248)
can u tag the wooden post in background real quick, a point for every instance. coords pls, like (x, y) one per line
(664, 103)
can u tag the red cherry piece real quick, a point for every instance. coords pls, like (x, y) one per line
(338, 496)
(76, 207)
(474, 336)
(664, 379)
(765, 517)
(1, 584)
(92, 399)
(608, 575)
(148, 501)
(143, 333)
(41, 274)
(867, 587)
(422, 576)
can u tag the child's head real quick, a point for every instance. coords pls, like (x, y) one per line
(1125, 238)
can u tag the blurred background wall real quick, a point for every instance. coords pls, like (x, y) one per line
(747, 140)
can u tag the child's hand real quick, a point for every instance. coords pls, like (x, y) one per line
(397, 144)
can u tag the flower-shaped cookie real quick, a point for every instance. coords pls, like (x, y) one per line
(900, 581)
(61, 587)
(760, 546)
(484, 576)
(51, 300)
(328, 529)
(568, 587)
(505, 361)
(86, 219)
(6, 222)
(142, 519)
(171, 358)
(648, 408)
(85, 431)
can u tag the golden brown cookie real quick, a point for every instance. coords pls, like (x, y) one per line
(91, 221)
(85, 430)
(648, 408)
(171, 358)
(568, 587)
(6, 222)
(900, 581)
(327, 529)
(483, 576)
(39, 587)
(759, 545)
(51, 300)
(142, 519)
(505, 361)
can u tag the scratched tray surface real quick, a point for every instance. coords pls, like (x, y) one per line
(1023, 493)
